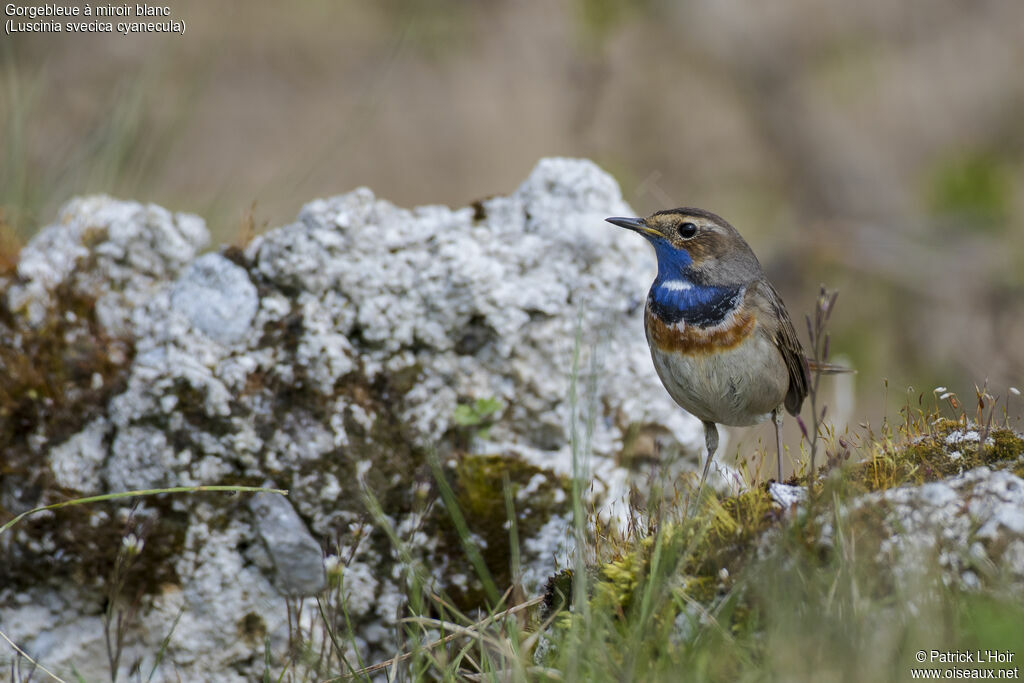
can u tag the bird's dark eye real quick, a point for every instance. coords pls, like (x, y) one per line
(687, 230)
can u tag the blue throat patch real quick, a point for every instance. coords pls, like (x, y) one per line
(675, 297)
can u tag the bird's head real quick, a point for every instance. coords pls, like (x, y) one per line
(695, 244)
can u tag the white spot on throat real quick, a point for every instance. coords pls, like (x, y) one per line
(676, 285)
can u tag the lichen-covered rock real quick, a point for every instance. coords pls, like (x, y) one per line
(969, 527)
(336, 357)
(115, 252)
(943, 506)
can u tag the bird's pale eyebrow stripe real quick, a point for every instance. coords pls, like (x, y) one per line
(676, 285)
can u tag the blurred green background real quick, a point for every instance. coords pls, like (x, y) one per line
(877, 147)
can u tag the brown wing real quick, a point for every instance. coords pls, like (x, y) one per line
(780, 328)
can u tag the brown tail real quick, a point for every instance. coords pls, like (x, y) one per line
(827, 368)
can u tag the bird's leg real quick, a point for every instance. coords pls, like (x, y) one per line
(777, 419)
(711, 442)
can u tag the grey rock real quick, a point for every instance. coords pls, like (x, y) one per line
(297, 558)
(217, 297)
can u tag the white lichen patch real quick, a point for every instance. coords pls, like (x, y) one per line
(132, 250)
(965, 436)
(786, 496)
(77, 463)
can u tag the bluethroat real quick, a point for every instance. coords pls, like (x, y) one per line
(721, 339)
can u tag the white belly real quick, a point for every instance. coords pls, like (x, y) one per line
(738, 387)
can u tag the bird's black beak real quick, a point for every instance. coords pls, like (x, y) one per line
(634, 224)
(628, 223)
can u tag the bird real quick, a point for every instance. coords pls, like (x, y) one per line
(721, 339)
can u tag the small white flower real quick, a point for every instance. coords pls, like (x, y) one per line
(945, 395)
(938, 390)
(332, 565)
(359, 530)
(723, 574)
(132, 544)
(1015, 391)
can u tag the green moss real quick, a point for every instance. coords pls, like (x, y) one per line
(703, 589)
(618, 580)
(611, 586)
(722, 536)
(1007, 447)
(478, 482)
(679, 564)
(732, 525)
(930, 457)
